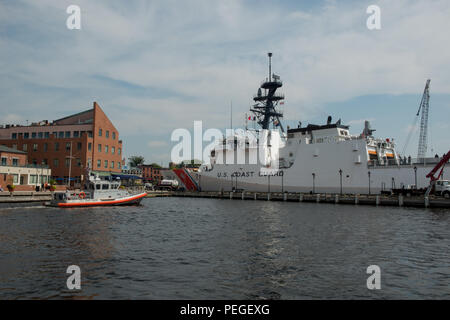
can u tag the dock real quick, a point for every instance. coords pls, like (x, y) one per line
(23, 198)
(348, 199)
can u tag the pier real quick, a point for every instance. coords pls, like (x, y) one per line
(349, 199)
(23, 198)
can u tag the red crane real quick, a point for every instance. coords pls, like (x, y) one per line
(430, 175)
(441, 163)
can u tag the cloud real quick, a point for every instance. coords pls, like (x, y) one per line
(359, 121)
(158, 65)
(11, 118)
(156, 144)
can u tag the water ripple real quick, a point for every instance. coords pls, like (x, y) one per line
(181, 248)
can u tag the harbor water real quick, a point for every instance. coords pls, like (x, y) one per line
(187, 248)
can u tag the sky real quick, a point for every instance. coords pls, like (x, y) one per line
(155, 66)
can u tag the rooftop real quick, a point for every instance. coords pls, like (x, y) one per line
(311, 127)
(10, 150)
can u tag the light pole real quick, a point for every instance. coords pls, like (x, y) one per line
(340, 174)
(415, 177)
(314, 182)
(369, 181)
(268, 177)
(282, 182)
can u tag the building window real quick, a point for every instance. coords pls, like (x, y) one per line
(67, 162)
(106, 164)
(14, 136)
(56, 163)
(61, 134)
(107, 133)
(45, 162)
(90, 134)
(114, 136)
(15, 178)
(89, 146)
(112, 164)
(99, 132)
(79, 145)
(33, 135)
(43, 179)
(33, 178)
(68, 146)
(56, 146)
(113, 150)
(99, 163)
(118, 165)
(40, 135)
(76, 134)
(118, 151)
(4, 161)
(78, 162)
(67, 135)
(47, 135)
(26, 135)
(106, 149)
(89, 164)
(25, 147)
(99, 148)
(45, 147)
(35, 147)
(15, 162)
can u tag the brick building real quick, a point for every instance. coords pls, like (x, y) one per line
(151, 173)
(69, 145)
(15, 170)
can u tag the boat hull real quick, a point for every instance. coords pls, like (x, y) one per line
(125, 201)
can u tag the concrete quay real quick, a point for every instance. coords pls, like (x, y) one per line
(374, 200)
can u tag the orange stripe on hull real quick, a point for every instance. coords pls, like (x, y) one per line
(100, 203)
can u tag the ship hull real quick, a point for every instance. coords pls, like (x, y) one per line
(381, 179)
(125, 201)
(320, 168)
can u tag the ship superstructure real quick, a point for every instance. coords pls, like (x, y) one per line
(324, 158)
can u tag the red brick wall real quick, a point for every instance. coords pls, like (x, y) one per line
(151, 173)
(5, 179)
(10, 155)
(50, 155)
(102, 122)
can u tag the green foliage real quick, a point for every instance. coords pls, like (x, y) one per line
(136, 161)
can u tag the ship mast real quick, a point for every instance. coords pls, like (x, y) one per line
(266, 103)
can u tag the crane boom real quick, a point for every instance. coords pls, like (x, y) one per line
(441, 163)
(430, 175)
(424, 105)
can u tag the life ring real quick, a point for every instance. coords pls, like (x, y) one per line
(82, 195)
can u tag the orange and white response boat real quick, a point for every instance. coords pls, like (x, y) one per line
(99, 193)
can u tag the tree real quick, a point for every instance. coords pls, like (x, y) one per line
(155, 165)
(136, 161)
